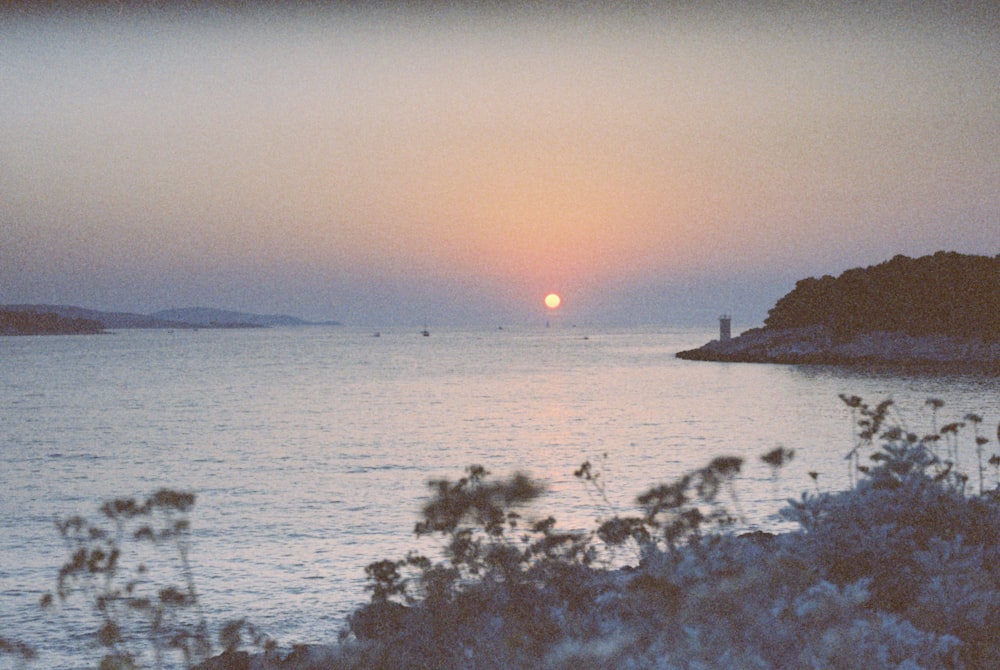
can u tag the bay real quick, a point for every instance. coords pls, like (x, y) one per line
(309, 449)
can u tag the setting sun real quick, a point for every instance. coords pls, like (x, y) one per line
(552, 300)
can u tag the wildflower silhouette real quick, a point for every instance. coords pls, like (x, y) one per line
(141, 621)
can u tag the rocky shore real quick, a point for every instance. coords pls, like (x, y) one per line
(819, 345)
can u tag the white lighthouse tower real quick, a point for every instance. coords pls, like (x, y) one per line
(725, 328)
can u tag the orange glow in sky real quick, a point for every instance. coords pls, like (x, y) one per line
(552, 300)
(436, 164)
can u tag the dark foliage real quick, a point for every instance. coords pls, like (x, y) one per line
(947, 293)
(898, 571)
(927, 550)
(16, 649)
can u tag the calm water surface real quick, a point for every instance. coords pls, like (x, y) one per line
(310, 449)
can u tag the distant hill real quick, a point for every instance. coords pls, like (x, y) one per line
(194, 317)
(208, 317)
(940, 309)
(111, 320)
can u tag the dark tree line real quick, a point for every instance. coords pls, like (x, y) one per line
(45, 323)
(947, 293)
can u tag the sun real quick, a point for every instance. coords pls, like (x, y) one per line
(552, 300)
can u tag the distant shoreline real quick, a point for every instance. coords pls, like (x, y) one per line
(71, 320)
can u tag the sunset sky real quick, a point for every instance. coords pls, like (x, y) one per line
(651, 163)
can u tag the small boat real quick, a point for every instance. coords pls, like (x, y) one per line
(425, 332)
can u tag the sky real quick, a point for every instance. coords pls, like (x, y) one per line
(436, 163)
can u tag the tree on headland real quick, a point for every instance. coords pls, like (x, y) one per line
(944, 294)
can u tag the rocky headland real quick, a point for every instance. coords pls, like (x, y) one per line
(939, 310)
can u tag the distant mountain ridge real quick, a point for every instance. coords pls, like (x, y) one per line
(190, 317)
(207, 317)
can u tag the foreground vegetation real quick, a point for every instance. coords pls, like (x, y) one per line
(902, 570)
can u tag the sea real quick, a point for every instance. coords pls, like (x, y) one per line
(310, 449)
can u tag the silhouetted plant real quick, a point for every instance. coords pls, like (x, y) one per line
(673, 508)
(814, 475)
(494, 561)
(935, 404)
(129, 604)
(777, 457)
(675, 512)
(616, 530)
(899, 446)
(16, 649)
(137, 613)
(995, 462)
(594, 483)
(853, 456)
(236, 634)
(980, 442)
(499, 564)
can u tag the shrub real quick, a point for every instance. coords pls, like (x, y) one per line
(927, 548)
(897, 571)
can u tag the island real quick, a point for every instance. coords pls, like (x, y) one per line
(208, 317)
(70, 320)
(936, 310)
(46, 323)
